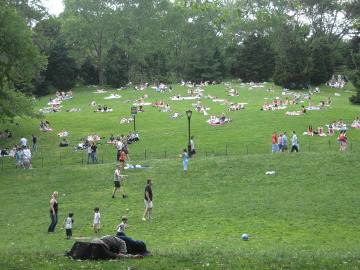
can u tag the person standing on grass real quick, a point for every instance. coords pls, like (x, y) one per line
(119, 146)
(343, 140)
(118, 182)
(53, 211)
(192, 147)
(274, 140)
(89, 152)
(26, 158)
(185, 160)
(284, 146)
(19, 157)
(280, 142)
(294, 143)
(93, 153)
(34, 143)
(68, 224)
(96, 221)
(148, 198)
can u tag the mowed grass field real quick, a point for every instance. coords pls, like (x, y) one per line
(306, 216)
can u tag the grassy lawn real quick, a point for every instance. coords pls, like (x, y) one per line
(305, 216)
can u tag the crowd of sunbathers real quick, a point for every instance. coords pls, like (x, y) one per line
(218, 120)
(337, 82)
(103, 108)
(54, 104)
(356, 123)
(64, 95)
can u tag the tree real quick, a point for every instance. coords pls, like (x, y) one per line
(89, 73)
(90, 28)
(292, 58)
(62, 70)
(322, 61)
(255, 60)
(117, 68)
(354, 12)
(20, 62)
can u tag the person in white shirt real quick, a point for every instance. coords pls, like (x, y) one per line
(27, 158)
(96, 222)
(192, 147)
(68, 224)
(119, 145)
(23, 141)
(294, 143)
(122, 226)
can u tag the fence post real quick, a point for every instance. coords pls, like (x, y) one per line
(145, 153)
(329, 144)
(165, 153)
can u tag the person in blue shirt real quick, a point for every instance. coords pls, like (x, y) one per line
(185, 158)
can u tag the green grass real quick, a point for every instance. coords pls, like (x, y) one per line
(305, 216)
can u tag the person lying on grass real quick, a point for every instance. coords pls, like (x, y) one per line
(106, 248)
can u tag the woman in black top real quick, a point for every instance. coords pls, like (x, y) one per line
(53, 212)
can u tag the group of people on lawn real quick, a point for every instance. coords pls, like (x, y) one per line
(280, 142)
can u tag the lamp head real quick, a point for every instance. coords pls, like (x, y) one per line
(188, 113)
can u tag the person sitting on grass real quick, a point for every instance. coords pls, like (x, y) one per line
(64, 143)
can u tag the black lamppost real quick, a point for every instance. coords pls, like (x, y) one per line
(188, 114)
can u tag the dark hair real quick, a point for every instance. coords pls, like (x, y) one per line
(71, 214)
(96, 209)
(149, 181)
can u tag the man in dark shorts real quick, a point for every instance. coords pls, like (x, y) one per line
(148, 197)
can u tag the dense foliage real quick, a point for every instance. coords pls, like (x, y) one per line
(294, 43)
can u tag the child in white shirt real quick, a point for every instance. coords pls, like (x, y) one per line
(96, 222)
(122, 226)
(68, 224)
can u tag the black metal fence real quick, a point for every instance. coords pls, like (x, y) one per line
(44, 158)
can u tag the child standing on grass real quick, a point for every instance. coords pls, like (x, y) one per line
(68, 224)
(185, 158)
(96, 222)
(122, 226)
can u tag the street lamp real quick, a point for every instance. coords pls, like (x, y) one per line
(188, 114)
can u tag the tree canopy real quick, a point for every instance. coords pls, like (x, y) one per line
(294, 43)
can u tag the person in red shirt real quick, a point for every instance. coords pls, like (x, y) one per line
(274, 140)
